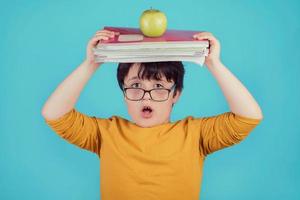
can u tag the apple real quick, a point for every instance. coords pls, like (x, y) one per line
(153, 23)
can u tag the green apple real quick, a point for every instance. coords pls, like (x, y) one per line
(153, 23)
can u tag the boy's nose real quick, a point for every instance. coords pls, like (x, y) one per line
(147, 95)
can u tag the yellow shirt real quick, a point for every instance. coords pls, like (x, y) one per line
(163, 162)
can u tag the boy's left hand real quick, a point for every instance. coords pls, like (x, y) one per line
(214, 47)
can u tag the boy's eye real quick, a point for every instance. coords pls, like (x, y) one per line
(135, 84)
(138, 85)
(159, 85)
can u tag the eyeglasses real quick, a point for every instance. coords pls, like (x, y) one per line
(156, 94)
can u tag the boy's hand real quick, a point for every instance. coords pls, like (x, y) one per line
(99, 36)
(214, 47)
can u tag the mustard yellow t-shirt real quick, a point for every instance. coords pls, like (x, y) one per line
(163, 162)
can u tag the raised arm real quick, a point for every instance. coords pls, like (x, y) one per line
(240, 100)
(65, 96)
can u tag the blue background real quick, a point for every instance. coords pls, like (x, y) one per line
(44, 41)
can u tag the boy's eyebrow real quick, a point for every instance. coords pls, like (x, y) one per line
(135, 77)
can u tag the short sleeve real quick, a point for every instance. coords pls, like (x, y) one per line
(78, 129)
(223, 130)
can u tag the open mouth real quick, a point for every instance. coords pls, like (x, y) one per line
(147, 112)
(147, 109)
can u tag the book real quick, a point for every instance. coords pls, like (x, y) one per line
(132, 46)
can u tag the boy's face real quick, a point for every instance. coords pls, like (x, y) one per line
(159, 112)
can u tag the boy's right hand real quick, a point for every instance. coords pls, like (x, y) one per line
(99, 36)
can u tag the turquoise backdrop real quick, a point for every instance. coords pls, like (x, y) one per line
(41, 42)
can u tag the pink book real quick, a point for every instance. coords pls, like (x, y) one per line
(130, 35)
(132, 46)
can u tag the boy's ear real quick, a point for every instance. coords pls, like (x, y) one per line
(176, 96)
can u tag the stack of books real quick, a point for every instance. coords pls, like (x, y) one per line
(132, 46)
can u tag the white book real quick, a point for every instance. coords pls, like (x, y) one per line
(132, 46)
(197, 60)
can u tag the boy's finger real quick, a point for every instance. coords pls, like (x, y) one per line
(102, 32)
(101, 37)
(203, 34)
(201, 37)
(107, 31)
(105, 34)
(211, 38)
(95, 40)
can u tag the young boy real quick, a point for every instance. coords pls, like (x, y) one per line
(151, 157)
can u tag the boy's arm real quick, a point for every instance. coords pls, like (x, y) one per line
(79, 129)
(64, 98)
(59, 112)
(221, 131)
(229, 128)
(240, 100)
(238, 97)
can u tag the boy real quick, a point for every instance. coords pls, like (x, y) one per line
(151, 157)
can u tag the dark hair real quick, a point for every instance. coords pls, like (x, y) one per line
(172, 70)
